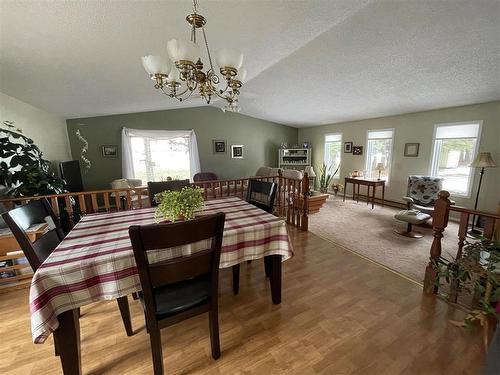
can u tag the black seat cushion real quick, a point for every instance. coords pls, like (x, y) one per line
(175, 298)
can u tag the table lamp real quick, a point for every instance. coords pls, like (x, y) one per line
(380, 167)
(310, 171)
(482, 160)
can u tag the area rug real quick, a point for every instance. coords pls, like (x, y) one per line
(370, 233)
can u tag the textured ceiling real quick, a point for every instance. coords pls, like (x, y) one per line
(309, 62)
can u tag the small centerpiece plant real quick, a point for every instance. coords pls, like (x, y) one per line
(178, 205)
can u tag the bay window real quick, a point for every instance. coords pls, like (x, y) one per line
(155, 155)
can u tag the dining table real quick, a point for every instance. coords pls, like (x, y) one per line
(95, 262)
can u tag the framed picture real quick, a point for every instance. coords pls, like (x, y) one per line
(109, 151)
(237, 151)
(357, 150)
(348, 147)
(219, 146)
(411, 149)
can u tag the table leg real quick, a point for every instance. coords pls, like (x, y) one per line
(236, 278)
(345, 188)
(275, 279)
(68, 342)
(383, 194)
(367, 195)
(373, 195)
(357, 195)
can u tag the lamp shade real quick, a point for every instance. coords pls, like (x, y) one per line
(229, 58)
(380, 167)
(241, 75)
(483, 160)
(156, 64)
(310, 171)
(182, 50)
(174, 75)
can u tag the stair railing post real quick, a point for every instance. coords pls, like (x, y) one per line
(439, 223)
(304, 223)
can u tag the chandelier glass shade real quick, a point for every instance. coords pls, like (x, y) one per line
(182, 73)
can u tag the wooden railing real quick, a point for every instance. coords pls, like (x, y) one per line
(442, 209)
(291, 199)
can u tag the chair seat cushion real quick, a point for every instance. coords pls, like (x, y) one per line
(176, 298)
(412, 216)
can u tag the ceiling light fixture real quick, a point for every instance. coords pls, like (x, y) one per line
(185, 75)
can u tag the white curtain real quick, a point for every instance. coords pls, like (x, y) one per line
(127, 159)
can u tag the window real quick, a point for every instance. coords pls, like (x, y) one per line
(333, 150)
(455, 146)
(157, 159)
(379, 153)
(155, 155)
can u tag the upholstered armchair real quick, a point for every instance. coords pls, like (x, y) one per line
(422, 192)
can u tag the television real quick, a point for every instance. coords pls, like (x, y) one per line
(70, 172)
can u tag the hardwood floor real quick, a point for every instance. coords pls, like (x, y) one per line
(340, 314)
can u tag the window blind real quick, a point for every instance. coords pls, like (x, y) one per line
(333, 137)
(457, 131)
(379, 134)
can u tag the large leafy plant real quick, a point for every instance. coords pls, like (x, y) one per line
(23, 170)
(476, 272)
(175, 205)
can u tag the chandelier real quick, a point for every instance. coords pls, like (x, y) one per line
(181, 73)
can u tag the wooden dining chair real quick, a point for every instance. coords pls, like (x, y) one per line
(180, 288)
(160, 186)
(262, 194)
(39, 211)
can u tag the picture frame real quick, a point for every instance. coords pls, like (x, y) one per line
(357, 150)
(412, 149)
(219, 146)
(347, 147)
(109, 151)
(237, 151)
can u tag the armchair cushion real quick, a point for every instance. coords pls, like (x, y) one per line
(424, 190)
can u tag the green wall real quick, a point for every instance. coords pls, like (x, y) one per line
(261, 140)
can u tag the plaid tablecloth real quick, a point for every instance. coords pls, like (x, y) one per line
(95, 261)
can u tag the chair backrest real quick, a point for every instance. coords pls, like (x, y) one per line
(22, 218)
(160, 186)
(146, 238)
(205, 176)
(292, 173)
(121, 183)
(134, 182)
(264, 171)
(424, 190)
(262, 194)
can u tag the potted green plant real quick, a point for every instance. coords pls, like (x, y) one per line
(476, 272)
(325, 177)
(23, 170)
(178, 205)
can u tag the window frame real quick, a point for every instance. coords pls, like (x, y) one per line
(389, 164)
(337, 176)
(433, 160)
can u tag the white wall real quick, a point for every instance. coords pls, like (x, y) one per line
(48, 131)
(417, 127)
